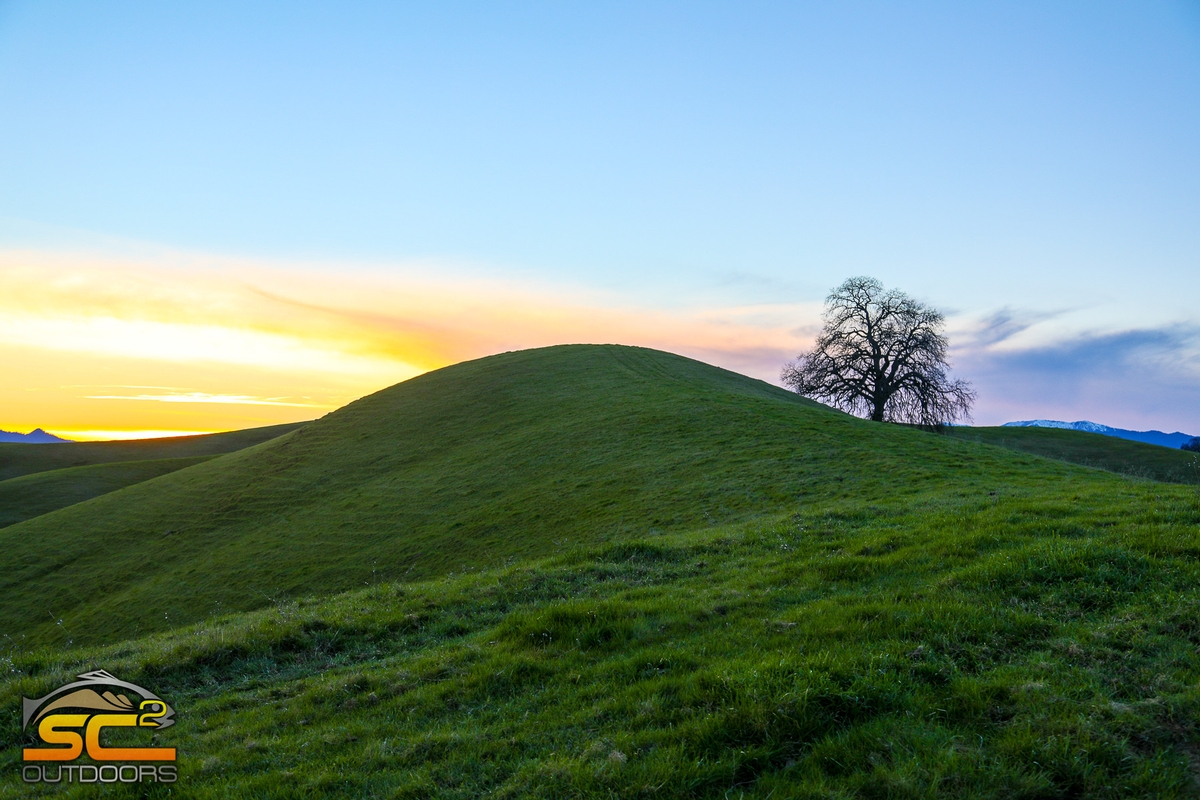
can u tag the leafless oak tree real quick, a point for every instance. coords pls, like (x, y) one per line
(881, 355)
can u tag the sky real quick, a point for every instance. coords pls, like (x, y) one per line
(217, 215)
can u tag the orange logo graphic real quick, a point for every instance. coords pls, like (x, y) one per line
(70, 720)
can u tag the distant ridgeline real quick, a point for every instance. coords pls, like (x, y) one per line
(36, 436)
(1173, 440)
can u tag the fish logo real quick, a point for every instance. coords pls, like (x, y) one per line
(70, 720)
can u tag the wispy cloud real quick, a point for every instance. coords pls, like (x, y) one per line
(250, 335)
(1006, 324)
(1142, 378)
(204, 397)
(119, 435)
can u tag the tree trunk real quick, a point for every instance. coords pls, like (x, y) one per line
(877, 410)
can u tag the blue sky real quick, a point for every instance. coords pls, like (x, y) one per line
(1031, 168)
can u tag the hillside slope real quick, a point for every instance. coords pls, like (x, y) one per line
(31, 496)
(512, 456)
(1032, 643)
(1136, 459)
(26, 459)
(1172, 440)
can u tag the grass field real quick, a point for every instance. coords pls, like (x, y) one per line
(26, 459)
(612, 572)
(38, 483)
(31, 496)
(1092, 450)
(1035, 643)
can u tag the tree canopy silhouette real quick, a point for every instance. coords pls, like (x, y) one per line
(881, 355)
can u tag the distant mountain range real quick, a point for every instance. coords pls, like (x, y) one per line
(36, 436)
(1173, 440)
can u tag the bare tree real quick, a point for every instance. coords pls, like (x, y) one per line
(881, 355)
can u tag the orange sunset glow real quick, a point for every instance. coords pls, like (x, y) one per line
(102, 348)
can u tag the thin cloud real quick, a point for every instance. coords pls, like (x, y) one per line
(1143, 378)
(203, 397)
(1005, 324)
(126, 386)
(119, 435)
(1175, 348)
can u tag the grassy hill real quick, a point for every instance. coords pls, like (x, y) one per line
(513, 456)
(1092, 450)
(38, 483)
(26, 459)
(613, 572)
(1039, 642)
(31, 496)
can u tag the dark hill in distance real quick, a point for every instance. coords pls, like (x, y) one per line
(26, 459)
(42, 484)
(1173, 440)
(35, 436)
(31, 496)
(520, 455)
(1100, 451)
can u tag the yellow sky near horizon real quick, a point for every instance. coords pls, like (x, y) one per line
(95, 348)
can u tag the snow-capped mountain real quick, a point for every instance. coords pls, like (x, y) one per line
(1172, 440)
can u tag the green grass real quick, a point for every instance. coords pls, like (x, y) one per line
(1039, 642)
(610, 572)
(464, 468)
(1092, 450)
(25, 459)
(31, 496)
